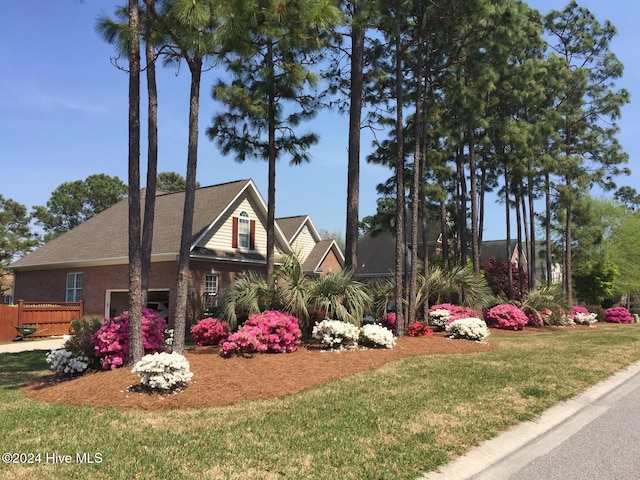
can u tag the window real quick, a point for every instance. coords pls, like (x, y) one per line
(210, 293)
(74, 287)
(244, 230)
(211, 284)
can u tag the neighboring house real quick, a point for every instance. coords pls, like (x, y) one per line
(229, 238)
(6, 287)
(377, 253)
(319, 256)
(498, 248)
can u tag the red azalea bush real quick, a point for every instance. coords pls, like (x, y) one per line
(617, 315)
(419, 329)
(210, 331)
(111, 341)
(388, 321)
(271, 331)
(506, 316)
(457, 312)
(538, 319)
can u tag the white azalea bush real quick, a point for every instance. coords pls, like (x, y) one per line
(468, 329)
(336, 334)
(439, 317)
(63, 361)
(163, 371)
(585, 318)
(376, 336)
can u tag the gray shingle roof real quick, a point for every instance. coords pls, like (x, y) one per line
(291, 225)
(318, 254)
(104, 237)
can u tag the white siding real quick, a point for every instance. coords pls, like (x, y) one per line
(303, 243)
(219, 237)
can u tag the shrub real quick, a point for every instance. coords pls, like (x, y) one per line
(65, 362)
(579, 309)
(617, 315)
(581, 318)
(538, 318)
(272, 331)
(468, 329)
(419, 329)
(163, 371)
(80, 344)
(210, 331)
(388, 321)
(455, 311)
(336, 334)
(111, 341)
(497, 274)
(506, 316)
(439, 317)
(377, 336)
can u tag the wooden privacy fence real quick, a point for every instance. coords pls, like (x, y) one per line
(8, 322)
(49, 319)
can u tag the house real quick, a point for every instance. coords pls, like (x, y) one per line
(229, 238)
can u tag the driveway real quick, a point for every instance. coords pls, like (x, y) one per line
(27, 345)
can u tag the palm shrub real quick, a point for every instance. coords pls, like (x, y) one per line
(462, 282)
(340, 296)
(249, 294)
(546, 305)
(292, 289)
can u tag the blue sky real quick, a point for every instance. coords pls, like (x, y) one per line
(63, 115)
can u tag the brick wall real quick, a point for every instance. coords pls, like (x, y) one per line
(50, 285)
(330, 264)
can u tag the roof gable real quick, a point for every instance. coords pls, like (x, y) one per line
(315, 258)
(103, 239)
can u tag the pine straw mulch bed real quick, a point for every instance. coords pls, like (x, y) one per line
(221, 381)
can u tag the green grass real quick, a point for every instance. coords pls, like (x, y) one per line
(396, 422)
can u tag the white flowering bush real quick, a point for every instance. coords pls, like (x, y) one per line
(468, 329)
(163, 371)
(336, 333)
(439, 317)
(585, 318)
(63, 361)
(168, 338)
(376, 336)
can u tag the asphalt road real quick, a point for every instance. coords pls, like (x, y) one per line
(595, 436)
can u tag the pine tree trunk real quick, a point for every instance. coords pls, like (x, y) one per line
(152, 160)
(355, 113)
(182, 288)
(399, 167)
(136, 349)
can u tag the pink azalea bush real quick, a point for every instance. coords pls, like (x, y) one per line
(506, 316)
(578, 309)
(210, 331)
(111, 341)
(456, 311)
(272, 332)
(617, 315)
(388, 321)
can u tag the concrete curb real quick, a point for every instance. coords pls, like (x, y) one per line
(482, 457)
